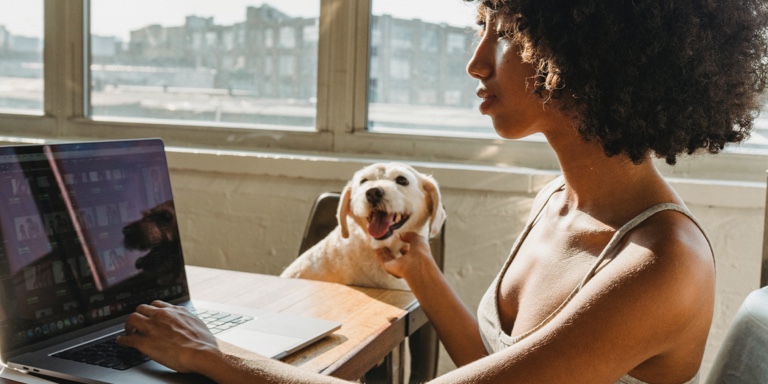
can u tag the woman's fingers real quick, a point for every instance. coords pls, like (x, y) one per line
(409, 236)
(134, 330)
(149, 309)
(161, 304)
(146, 310)
(384, 255)
(398, 261)
(137, 322)
(159, 327)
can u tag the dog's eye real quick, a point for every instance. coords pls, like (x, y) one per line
(363, 181)
(402, 180)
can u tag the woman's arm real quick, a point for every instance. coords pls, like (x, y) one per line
(456, 327)
(647, 313)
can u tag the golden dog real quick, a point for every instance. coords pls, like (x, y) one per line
(381, 201)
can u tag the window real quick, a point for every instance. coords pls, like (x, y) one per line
(21, 56)
(399, 69)
(287, 37)
(430, 39)
(310, 34)
(430, 80)
(457, 43)
(373, 79)
(221, 62)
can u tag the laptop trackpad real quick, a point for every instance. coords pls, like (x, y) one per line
(266, 344)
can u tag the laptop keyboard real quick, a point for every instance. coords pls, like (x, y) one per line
(219, 321)
(105, 353)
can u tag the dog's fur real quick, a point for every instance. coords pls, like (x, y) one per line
(157, 233)
(382, 200)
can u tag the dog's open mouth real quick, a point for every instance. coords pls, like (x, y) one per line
(382, 224)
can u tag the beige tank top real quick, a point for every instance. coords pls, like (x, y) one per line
(488, 318)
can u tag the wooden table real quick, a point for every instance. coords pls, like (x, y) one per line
(374, 321)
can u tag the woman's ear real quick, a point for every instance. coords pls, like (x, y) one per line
(343, 211)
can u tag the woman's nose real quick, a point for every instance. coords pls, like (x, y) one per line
(480, 66)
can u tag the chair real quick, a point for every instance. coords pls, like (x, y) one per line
(322, 220)
(423, 344)
(743, 357)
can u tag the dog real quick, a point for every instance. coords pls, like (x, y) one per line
(158, 233)
(381, 201)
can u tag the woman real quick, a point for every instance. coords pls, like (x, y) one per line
(612, 280)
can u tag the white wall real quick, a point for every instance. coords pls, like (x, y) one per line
(248, 213)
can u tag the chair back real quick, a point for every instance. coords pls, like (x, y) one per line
(322, 220)
(743, 356)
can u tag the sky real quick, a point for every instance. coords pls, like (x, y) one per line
(118, 17)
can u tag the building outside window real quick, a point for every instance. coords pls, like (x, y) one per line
(194, 69)
(21, 57)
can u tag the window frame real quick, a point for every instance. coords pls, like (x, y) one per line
(341, 116)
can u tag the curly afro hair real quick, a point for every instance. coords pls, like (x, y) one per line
(670, 77)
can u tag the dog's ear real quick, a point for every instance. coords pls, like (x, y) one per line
(343, 210)
(435, 201)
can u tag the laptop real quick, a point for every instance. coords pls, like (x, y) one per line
(88, 232)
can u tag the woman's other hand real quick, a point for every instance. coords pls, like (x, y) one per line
(169, 334)
(407, 262)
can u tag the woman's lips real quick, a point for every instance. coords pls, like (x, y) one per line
(488, 100)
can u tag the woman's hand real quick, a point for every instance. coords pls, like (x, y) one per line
(170, 335)
(412, 256)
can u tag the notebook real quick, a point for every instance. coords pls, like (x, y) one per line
(88, 232)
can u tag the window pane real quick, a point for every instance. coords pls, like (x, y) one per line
(417, 76)
(226, 61)
(21, 56)
(759, 138)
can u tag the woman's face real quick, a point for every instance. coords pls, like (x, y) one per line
(503, 84)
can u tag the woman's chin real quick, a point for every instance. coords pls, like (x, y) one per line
(511, 133)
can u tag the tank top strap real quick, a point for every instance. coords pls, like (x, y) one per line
(630, 225)
(555, 185)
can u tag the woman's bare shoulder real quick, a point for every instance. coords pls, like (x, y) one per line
(671, 240)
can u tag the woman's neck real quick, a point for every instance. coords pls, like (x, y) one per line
(596, 182)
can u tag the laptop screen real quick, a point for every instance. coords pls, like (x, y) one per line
(88, 232)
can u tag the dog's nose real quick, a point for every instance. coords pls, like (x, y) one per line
(374, 195)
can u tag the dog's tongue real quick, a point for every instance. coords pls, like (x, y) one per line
(380, 223)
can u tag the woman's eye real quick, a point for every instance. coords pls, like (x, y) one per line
(401, 180)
